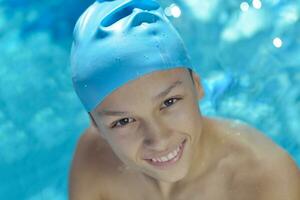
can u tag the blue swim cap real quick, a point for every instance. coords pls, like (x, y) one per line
(116, 41)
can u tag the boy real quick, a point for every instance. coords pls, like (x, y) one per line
(148, 138)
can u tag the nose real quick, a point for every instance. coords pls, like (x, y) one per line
(156, 135)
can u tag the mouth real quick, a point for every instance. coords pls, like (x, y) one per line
(168, 160)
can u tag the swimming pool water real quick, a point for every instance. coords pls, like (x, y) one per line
(247, 53)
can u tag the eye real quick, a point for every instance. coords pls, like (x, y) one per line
(122, 122)
(171, 101)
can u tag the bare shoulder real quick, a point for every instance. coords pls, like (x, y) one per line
(92, 163)
(266, 167)
(246, 136)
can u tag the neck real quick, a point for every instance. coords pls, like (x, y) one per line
(165, 189)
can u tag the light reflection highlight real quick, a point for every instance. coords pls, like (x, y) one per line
(277, 42)
(256, 4)
(244, 6)
(173, 10)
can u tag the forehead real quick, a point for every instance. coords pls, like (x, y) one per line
(146, 86)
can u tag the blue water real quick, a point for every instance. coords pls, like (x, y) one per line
(247, 74)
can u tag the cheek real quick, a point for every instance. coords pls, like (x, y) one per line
(185, 113)
(124, 144)
(184, 118)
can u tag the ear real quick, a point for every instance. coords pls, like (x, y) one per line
(198, 86)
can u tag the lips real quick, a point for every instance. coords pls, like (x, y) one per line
(168, 159)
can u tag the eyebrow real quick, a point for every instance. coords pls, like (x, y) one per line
(168, 90)
(158, 96)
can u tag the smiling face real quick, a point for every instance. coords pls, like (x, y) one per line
(153, 124)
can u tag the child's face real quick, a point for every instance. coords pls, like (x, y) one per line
(153, 125)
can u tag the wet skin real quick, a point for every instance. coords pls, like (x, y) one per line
(220, 159)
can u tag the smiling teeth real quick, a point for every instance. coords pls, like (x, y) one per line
(168, 157)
